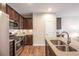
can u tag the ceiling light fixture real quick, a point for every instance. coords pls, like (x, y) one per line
(49, 9)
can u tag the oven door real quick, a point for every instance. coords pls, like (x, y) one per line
(19, 46)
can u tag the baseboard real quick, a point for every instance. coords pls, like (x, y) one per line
(38, 44)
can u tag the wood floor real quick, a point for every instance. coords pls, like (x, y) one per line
(33, 51)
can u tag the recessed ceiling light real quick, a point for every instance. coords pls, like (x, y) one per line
(49, 9)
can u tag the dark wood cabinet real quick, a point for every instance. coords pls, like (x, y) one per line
(28, 23)
(51, 52)
(9, 11)
(29, 39)
(16, 17)
(58, 26)
(13, 15)
(21, 22)
(48, 50)
(24, 24)
(58, 23)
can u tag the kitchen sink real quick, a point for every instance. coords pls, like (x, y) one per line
(66, 48)
(60, 45)
(57, 42)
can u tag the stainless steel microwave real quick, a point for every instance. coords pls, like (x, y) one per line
(13, 24)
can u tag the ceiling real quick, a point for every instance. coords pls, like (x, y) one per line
(26, 9)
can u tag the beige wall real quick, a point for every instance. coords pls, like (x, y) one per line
(44, 24)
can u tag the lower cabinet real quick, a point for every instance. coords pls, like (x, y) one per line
(29, 40)
(48, 50)
(51, 52)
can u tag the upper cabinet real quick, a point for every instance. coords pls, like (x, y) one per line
(28, 23)
(58, 23)
(21, 21)
(13, 15)
(9, 11)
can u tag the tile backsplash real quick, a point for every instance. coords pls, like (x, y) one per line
(21, 32)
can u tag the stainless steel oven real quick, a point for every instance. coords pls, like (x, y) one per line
(19, 45)
(11, 43)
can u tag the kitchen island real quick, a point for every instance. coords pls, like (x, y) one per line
(52, 50)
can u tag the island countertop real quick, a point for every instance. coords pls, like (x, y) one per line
(73, 44)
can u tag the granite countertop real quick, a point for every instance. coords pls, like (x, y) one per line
(24, 32)
(74, 44)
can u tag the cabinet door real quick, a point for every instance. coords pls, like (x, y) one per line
(58, 23)
(9, 11)
(49, 50)
(18, 20)
(58, 26)
(16, 17)
(28, 23)
(29, 39)
(24, 24)
(46, 48)
(21, 22)
(13, 15)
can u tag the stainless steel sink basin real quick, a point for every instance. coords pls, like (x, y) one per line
(57, 42)
(60, 45)
(66, 48)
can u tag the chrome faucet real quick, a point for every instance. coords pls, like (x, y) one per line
(68, 39)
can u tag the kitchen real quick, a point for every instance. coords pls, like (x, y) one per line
(39, 29)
